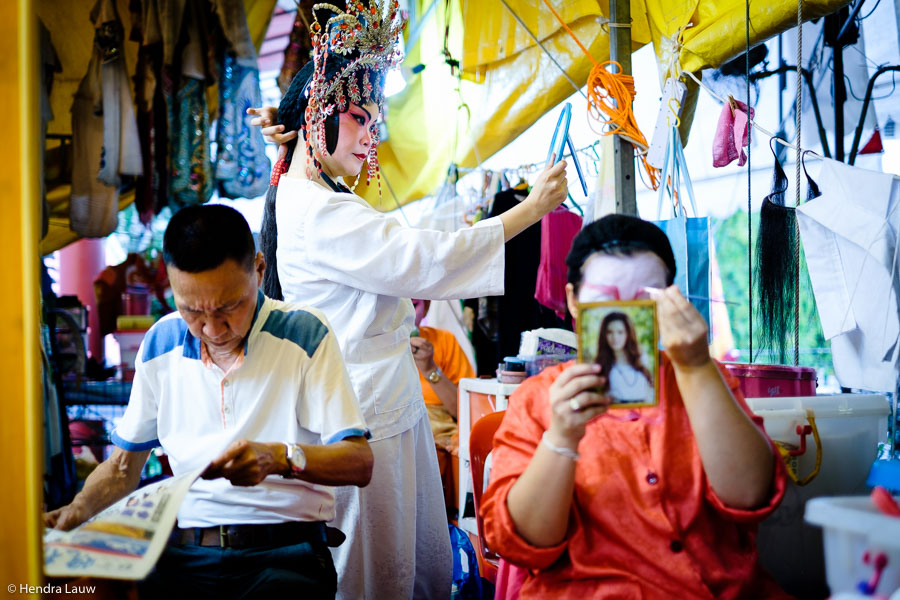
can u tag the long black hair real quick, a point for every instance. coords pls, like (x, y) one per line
(292, 114)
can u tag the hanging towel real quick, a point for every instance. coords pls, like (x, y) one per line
(849, 236)
(732, 134)
(558, 229)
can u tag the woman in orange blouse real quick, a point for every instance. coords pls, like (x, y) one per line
(654, 503)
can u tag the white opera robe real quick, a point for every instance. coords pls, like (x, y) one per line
(360, 267)
(849, 236)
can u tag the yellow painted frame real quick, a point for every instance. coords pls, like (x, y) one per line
(20, 425)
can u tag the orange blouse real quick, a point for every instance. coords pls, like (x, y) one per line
(448, 356)
(645, 523)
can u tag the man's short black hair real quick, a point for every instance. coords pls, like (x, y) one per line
(200, 238)
(619, 234)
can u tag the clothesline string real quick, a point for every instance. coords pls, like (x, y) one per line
(777, 139)
(531, 167)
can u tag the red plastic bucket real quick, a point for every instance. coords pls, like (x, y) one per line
(774, 381)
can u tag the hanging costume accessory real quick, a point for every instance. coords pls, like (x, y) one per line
(777, 270)
(775, 266)
(365, 36)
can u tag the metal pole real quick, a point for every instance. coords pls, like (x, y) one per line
(833, 25)
(840, 96)
(623, 158)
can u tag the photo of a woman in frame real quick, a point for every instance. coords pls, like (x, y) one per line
(619, 355)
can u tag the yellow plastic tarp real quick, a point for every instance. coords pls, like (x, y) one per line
(508, 82)
(72, 35)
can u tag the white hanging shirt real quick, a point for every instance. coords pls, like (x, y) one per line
(849, 238)
(361, 267)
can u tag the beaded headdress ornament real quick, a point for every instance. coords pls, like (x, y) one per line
(366, 36)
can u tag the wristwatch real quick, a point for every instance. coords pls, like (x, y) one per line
(296, 458)
(435, 375)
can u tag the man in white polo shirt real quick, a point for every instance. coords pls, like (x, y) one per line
(256, 389)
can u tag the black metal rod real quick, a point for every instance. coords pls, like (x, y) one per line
(782, 79)
(865, 108)
(840, 96)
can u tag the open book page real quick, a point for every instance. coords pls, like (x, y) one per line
(125, 540)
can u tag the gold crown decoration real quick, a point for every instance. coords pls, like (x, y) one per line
(365, 36)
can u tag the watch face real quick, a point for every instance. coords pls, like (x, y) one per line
(297, 457)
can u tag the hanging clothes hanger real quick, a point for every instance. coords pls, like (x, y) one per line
(595, 161)
(575, 204)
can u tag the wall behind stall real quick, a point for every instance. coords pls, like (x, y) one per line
(20, 445)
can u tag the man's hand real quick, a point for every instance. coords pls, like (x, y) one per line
(66, 517)
(573, 402)
(682, 329)
(423, 354)
(248, 463)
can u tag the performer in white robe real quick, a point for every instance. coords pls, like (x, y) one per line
(360, 267)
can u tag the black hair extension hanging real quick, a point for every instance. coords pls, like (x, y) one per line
(812, 188)
(776, 269)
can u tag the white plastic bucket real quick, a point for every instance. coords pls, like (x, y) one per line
(129, 343)
(852, 526)
(850, 427)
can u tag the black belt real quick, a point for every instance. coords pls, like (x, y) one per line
(248, 536)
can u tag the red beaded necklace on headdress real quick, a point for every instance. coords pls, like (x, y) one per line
(368, 37)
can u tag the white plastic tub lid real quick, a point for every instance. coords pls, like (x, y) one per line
(827, 406)
(856, 514)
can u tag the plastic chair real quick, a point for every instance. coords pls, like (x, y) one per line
(481, 441)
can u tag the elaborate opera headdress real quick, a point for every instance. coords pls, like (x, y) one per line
(362, 37)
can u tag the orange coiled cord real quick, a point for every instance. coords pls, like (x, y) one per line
(610, 98)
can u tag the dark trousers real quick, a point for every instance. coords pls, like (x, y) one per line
(299, 571)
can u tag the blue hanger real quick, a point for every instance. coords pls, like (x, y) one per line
(577, 166)
(564, 118)
(562, 127)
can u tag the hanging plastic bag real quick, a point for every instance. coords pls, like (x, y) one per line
(689, 236)
(466, 580)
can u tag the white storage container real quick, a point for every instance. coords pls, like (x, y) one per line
(129, 343)
(852, 526)
(850, 428)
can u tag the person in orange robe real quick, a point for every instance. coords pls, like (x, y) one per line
(653, 503)
(441, 363)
